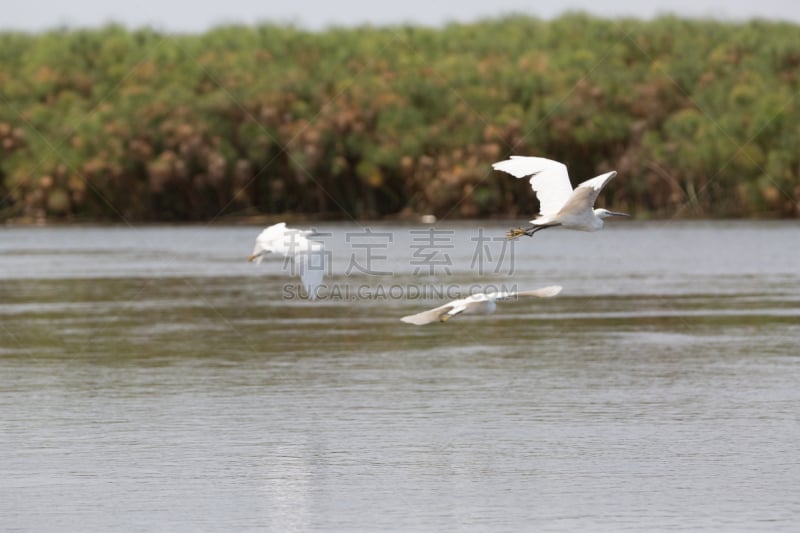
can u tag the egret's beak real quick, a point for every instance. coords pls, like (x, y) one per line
(615, 214)
(253, 257)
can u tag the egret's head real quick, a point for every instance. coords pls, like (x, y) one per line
(605, 213)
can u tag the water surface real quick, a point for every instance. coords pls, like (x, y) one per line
(152, 379)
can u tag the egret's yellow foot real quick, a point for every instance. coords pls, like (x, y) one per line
(515, 233)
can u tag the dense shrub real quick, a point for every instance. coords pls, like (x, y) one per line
(700, 118)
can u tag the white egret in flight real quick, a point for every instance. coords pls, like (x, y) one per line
(308, 257)
(559, 204)
(481, 303)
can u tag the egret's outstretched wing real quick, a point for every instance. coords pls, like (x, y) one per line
(456, 310)
(272, 233)
(308, 260)
(587, 192)
(431, 315)
(311, 273)
(549, 180)
(544, 292)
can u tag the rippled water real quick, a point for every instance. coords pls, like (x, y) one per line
(153, 380)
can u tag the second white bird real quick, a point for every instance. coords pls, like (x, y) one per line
(483, 303)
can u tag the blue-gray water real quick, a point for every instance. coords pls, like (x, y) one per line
(153, 380)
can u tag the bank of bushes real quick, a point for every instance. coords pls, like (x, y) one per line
(700, 118)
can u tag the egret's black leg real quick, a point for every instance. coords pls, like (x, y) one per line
(533, 229)
(519, 232)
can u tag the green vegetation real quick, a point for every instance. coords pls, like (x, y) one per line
(700, 118)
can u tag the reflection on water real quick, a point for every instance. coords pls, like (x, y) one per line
(151, 379)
